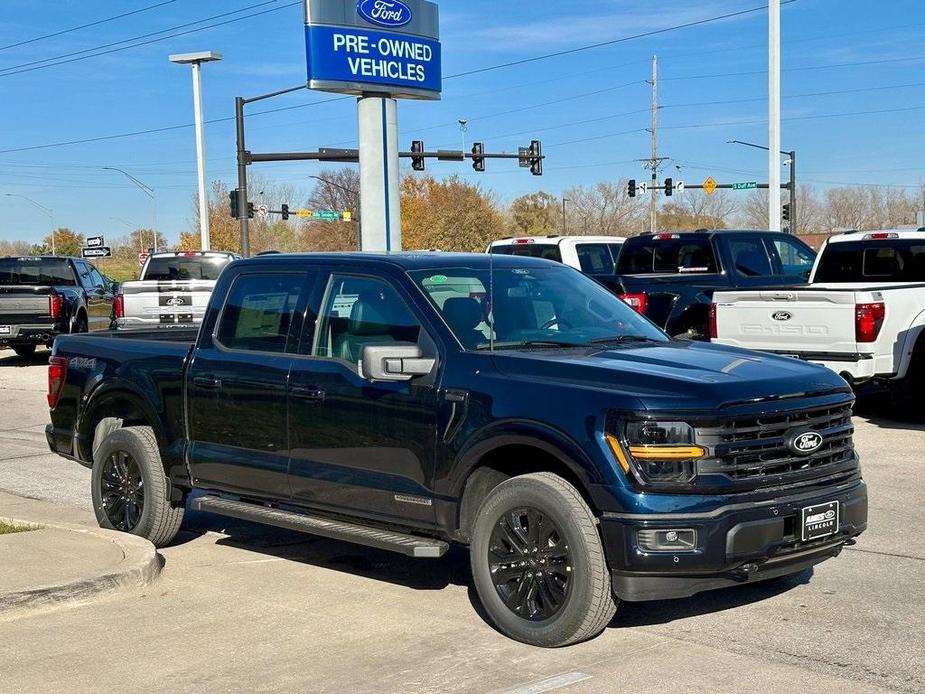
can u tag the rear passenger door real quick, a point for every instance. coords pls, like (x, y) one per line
(791, 258)
(749, 263)
(361, 447)
(99, 296)
(237, 382)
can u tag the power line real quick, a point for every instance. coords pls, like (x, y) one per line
(87, 26)
(646, 34)
(797, 69)
(67, 57)
(798, 96)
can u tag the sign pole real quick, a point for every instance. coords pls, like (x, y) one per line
(380, 194)
(242, 176)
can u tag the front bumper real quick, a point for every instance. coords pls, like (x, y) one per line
(738, 543)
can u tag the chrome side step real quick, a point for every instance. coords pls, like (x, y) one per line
(409, 545)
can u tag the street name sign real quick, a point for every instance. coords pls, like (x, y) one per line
(389, 47)
(748, 185)
(97, 252)
(326, 215)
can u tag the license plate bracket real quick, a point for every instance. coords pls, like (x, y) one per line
(820, 520)
(6, 330)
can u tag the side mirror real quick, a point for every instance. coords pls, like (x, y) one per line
(394, 362)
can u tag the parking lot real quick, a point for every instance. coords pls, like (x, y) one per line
(240, 606)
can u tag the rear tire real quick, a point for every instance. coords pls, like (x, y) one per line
(80, 324)
(24, 350)
(130, 490)
(906, 393)
(538, 563)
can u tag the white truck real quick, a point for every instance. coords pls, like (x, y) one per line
(862, 313)
(593, 255)
(172, 290)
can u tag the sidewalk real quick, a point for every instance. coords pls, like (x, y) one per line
(68, 558)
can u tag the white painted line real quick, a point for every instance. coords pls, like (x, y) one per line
(550, 683)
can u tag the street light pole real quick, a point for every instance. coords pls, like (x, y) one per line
(792, 186)
(148, 190)
(196, 60)
(564, 200)
(47, 210)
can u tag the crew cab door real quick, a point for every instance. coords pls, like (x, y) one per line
(357, 446)
(236, 386)
(99, 296)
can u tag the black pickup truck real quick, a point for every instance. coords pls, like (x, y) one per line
(45, 296)
(510, 404)
(670, 277)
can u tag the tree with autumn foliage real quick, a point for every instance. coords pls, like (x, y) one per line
(450, 215)
(67, 242)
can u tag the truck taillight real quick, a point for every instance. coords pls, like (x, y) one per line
(55, 305)
(868, 319)
(118, 306)
(57, 375)
(637, 302)
(714, 333)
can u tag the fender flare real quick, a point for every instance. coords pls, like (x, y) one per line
(912, 337)
(115, 388)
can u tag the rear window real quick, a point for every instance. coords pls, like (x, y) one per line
(888, 261)
(36, 272)
(595, 258)
(653, 255)
(173, 268)
(547, 251)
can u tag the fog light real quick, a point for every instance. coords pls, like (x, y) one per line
(675, 540)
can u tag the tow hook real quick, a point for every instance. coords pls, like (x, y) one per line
(850, 542)
(744, 571)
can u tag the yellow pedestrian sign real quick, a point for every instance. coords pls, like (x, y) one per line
(709, 186)
(303, 213)
(347, 215)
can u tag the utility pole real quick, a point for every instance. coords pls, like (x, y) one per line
(564, 200)
(774, 115)
(653, 191)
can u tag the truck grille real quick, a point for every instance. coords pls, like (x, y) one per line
(755, 448)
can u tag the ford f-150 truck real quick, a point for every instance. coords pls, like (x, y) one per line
(862, 314)
(172, 290)
(42, 297)
(670, 277)
(510, 404)
(593, 255)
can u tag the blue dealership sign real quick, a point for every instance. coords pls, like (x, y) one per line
(381, 46)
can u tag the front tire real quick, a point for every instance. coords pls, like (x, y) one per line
(538, 563)
(130, 490)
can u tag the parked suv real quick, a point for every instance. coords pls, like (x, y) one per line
(44, 296)
(670, 277)
(510, 404)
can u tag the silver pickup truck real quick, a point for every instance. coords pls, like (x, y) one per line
(173, 289)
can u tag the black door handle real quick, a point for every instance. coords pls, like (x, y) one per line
(209, 382)
(310, 393)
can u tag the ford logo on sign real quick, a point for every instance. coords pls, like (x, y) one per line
(781, 315)
(805, 442)
(385, 13)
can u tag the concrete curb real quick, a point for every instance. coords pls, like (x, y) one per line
(140, 565)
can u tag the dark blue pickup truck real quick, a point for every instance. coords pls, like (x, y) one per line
(509, 404)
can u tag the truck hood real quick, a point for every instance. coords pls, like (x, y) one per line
(675, 375)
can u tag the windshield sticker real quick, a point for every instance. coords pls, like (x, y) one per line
(437, 279)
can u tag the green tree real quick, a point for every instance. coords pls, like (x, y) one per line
(451, 215)
(66, 242)
(536, 214)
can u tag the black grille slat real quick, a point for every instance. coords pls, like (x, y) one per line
(754, 449)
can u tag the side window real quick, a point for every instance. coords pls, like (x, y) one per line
(83, 272)
(594, 258)
(259, 312)
(749, 258)
(795, 258)
(97, 278)
(361, 311)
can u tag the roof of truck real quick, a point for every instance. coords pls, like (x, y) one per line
(421, 260)
(878, 235)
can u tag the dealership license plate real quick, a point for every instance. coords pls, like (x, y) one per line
(821, 520)
(5, 330)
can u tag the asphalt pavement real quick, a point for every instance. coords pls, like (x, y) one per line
(239, 606)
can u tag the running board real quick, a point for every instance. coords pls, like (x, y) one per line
(409, 545)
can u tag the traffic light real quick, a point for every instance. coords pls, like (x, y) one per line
(786, 212)
(478, 161)
(631, 188)
(284, 210)
(233, 200)
(417, 162)
(536, 158)
(250, 210)
(669, 187)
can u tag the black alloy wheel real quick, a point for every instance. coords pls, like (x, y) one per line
(529, 562)
(122, 490)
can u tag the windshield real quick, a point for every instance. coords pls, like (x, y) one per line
(36, 272)
(880, 261)
(666, 254)
(536, 307)
(173, 268)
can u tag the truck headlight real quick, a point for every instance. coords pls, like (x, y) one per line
(663, 451)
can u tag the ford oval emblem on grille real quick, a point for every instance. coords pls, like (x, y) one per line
(781, 315)
(805, 442)
(175, 301)
(385, 13)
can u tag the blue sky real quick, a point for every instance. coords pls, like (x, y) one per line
(853, 107)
